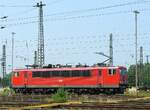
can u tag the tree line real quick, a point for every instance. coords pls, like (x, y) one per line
(143, 71)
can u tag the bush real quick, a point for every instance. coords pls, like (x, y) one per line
(60, 96)
(6, 92)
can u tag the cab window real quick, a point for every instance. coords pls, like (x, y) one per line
(112, 72)
(16, 74)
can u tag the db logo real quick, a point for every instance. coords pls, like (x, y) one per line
(60, 80)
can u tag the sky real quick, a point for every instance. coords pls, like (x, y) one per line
(74, 30)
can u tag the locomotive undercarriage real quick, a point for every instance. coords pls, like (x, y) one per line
(91, 91)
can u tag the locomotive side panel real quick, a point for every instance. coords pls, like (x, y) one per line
(84, 79)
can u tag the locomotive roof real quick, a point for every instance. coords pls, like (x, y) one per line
(72, 68)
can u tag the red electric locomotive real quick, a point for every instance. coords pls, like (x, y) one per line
(81, 79)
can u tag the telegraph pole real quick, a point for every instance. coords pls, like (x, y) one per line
(41, 56)
(111, 50)
(136, 74)
(13, 33)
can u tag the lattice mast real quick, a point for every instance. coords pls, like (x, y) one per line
(41, 56)
(35, 58)
(4, 61)
(111, 50)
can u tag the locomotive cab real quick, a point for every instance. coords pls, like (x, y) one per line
(19, 79)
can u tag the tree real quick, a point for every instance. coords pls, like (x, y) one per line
(6, 81)
(143, 75)
(131, 75)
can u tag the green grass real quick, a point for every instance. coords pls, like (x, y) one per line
(140, 93)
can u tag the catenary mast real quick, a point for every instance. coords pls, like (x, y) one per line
(41, 56)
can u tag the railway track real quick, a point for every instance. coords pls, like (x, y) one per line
(87, 107)
(36, 97)
(113, 106)
(19, 101)
(90, 102)
(23, 98)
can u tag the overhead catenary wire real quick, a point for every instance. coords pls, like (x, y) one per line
(67, 52)
(87, 10)
(100, 8)
(82, 40)
(23, 12)
(18, 14)
(14, 6)
(54, 2)
(90, 9)
(26, 11)
(70, 18)
(75, 17)
(91, 38)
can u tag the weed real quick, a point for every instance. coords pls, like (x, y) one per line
(60, 96)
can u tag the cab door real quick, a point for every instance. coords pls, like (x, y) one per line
(100, 77)
(26, 79)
